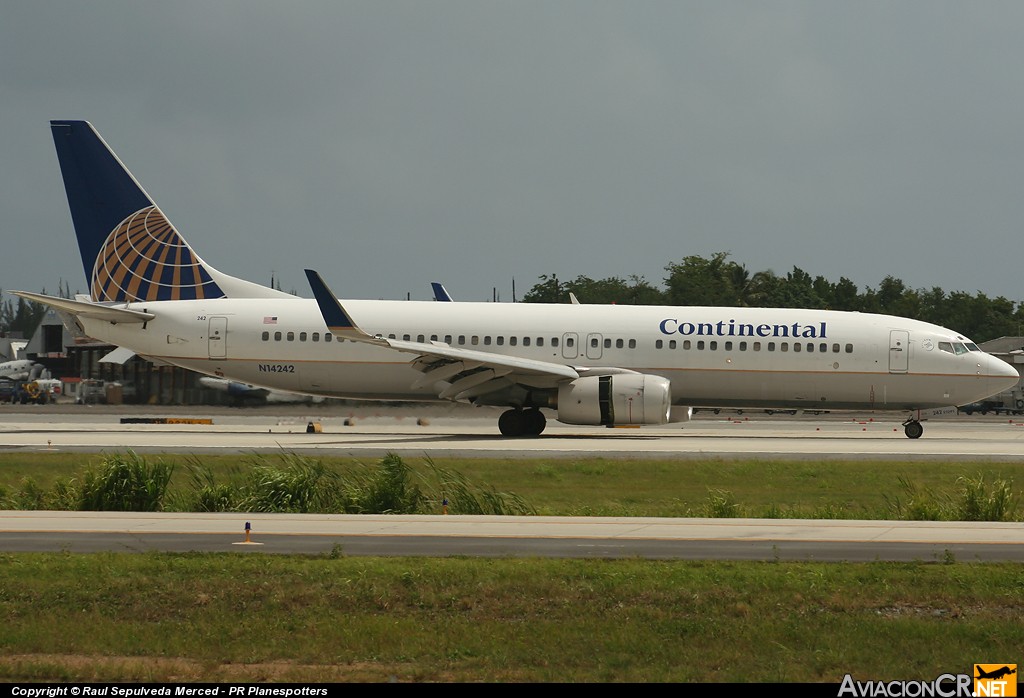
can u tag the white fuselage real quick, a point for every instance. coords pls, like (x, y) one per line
(714, 357)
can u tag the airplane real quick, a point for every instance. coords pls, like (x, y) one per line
(588, 364)
(243, 393)
(996, 673)
(19, 369)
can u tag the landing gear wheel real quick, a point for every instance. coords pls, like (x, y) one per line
(535, 422)
(913, 429)
(521, 422)
(512, 423)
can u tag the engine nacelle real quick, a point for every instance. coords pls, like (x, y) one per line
(619, 399)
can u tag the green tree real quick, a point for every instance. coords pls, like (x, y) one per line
(701, 281)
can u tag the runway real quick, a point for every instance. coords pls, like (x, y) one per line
(433, 431)
(437, 433)
(513, 536)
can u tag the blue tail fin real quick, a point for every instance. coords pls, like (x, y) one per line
(130, 251)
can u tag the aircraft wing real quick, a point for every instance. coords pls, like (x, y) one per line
(465, 373)
(97, 311)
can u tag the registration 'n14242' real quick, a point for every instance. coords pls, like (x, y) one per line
(277, 368)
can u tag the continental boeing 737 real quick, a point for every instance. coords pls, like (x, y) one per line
(583, 364)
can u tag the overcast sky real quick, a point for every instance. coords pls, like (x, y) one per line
(389, 144)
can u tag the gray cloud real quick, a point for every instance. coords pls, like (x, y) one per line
(390, 144)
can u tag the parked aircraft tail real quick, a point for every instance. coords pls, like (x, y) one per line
(130, 251)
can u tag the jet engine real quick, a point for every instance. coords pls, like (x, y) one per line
(614, 400)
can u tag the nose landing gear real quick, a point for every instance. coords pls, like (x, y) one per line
(912, 428)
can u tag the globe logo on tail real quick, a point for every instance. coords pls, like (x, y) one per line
(145, 259)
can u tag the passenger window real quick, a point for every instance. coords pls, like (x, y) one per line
(526, 342)
(700, 344)
(618, 343)
(687, 344)
(713, 345)
(849, 348)
(671, 344)
(771, 346)
(462, 339)
(266, 335)
(433, 338)
(447, 339)
(835, 348)
(487, 340)
(658, 344)
(277, 336)
(291, 336)
(316, 336)
(328, 337)
(757, 346)
(743, 346)
(406, 337)
(500, 341)
(728, 346)
(568, 342)
(632, 344)
(608, 343)
(823, 348)
(302, 336)
(784, 346)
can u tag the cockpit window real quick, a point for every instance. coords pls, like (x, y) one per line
(959, 348)
(946, 346)
(971, 346)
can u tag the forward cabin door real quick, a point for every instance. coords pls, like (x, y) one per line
(899, 351)
(218, 337)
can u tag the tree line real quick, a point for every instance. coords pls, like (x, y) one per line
(719, 281)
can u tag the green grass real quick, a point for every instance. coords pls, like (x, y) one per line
(185, 617)
(275, 618)
(612, 487)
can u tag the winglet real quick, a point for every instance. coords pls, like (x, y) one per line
(440, 292)
(338, 321)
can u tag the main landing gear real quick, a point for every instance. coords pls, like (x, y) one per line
(522, 422)
(913, 429)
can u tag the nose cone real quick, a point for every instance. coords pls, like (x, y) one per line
(999, 375)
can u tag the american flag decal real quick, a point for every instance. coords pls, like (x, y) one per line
(270, 320)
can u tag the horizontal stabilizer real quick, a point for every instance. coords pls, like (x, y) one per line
(96, 311)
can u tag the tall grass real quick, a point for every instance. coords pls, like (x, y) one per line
(124, 482)
(463, 497)
(298, 484)
(974, 499)
(287, 482)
